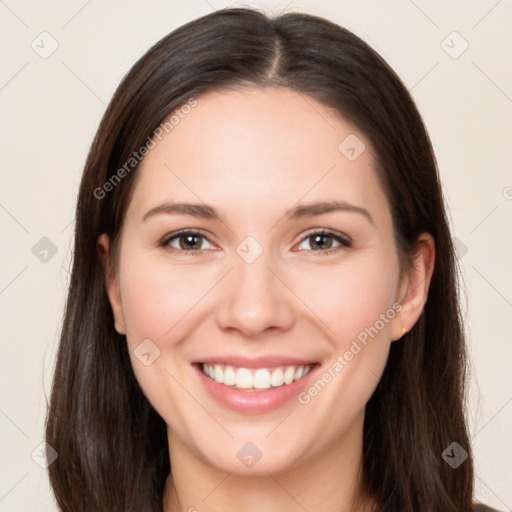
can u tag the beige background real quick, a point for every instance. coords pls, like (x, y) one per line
(51, 108)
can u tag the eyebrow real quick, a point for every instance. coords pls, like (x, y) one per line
(303, 210)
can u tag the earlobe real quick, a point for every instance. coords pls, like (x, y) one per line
(413, 291)
(111, 283)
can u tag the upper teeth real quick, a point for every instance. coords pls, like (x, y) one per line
(260, 378)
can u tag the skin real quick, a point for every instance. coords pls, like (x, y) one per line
(253, 154)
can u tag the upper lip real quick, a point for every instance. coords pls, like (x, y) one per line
(256, 362)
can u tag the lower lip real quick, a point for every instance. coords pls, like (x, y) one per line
(254, 402)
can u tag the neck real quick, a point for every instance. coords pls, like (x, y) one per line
(325, 482)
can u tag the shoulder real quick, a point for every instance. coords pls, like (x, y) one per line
(479, 507)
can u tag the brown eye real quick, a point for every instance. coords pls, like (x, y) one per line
(185, 241)
(323, 241)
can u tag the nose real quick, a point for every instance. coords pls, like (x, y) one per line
(255, 299)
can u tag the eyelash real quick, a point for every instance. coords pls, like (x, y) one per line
(343, 240)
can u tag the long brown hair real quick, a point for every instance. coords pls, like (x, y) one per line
(112, 445)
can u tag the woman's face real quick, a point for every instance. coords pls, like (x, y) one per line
(258, 296)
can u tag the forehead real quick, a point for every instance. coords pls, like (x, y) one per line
(254, 147)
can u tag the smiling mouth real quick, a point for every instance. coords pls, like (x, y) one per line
(255, 379)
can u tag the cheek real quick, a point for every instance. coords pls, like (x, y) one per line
(350, 299)
(161, 301)
(156, 297)
(357, 306)
(158, 302)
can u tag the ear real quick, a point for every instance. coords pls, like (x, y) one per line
(413, 288)
(111, 282)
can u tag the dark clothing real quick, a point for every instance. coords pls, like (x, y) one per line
(484, 508)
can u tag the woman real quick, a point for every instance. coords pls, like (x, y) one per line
(263, 305)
